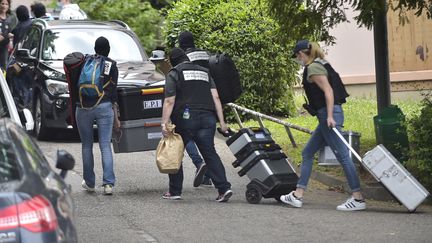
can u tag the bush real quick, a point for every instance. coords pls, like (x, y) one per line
(140, 16)
(420, 162)
(243, 29)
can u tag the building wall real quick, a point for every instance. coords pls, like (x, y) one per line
(410, 61)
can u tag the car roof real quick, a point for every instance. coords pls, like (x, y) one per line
(80, 24)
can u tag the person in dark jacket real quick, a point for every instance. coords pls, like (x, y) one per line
(39, 11)
(24, 23)
(192, 103)
(326, 94)
(200, 57)
(104, 114)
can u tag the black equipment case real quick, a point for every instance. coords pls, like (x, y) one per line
(264, 163)
(140, 102)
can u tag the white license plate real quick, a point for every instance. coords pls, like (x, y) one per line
(152, 104)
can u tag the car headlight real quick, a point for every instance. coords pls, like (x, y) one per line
(56, 87)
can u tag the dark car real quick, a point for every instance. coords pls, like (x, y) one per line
(39, 58)
(35, 202)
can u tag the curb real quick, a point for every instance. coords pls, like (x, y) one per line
(373, 191)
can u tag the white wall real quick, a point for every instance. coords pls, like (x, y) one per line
(353, 53)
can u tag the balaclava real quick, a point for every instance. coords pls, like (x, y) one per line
(102, 46)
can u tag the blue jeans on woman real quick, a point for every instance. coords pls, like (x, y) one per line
(323, 135)
(200, 128)
(103, 114)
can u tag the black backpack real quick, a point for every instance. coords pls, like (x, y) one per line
(72, 65)
(226, 77)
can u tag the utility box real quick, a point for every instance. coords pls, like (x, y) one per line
(390, 130)
(327, 157)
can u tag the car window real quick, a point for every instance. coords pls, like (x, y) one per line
(4, 110)
(32, 40)
(60, 42)
(8, 164)
(30, 151)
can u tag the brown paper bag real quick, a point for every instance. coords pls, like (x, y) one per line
(169, 153)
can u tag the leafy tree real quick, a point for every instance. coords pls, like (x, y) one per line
(420, 162)
(141, 17)
(324, 14)
(243, 29)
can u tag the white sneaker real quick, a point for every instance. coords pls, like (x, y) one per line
(108, 189)
(86, 187)
(352, 205)
(292, 200)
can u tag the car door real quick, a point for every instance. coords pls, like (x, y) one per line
(22, 71)
(54, 187)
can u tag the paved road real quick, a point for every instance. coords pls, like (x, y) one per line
(136, 212)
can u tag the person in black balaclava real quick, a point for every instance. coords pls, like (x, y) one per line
(195, 55)
(102, 46)
(23, 25)
(200, 57)
(192, 103)
(105, 115)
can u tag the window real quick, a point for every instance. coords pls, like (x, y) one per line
(29, 151)
(32, 40)
(60, 42)
(4, 111)
(8, 164)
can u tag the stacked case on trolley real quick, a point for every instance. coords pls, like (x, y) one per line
(140, 117)
(263, 162)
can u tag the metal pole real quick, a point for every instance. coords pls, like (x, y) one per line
(382, 72)
(237, 107)
(291, 137)
(260, 121)
(237, 117)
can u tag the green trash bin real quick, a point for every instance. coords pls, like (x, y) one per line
(390, 130)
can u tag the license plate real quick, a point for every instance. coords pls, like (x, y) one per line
(152, 104)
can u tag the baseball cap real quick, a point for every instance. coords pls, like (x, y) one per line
(301, 45)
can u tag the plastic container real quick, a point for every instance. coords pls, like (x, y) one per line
(140, 102)
(327, 157)
(138, 135)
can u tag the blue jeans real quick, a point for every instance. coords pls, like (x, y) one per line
(103, 114)
(200, 128)
(322, 136)
(193, 153)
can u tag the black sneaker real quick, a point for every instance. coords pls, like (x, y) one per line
(199, 175)
(225, 196)
(207, 182)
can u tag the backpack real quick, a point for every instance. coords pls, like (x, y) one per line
(72, 65)
(226, 77)
(90, 82)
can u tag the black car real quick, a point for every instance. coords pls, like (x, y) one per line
(37, 66)
(35, 202)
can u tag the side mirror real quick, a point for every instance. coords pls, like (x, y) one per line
(24, 55)
(29, 121)
(157, 55)
(65, 162)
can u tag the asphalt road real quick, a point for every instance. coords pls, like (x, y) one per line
(136, 212)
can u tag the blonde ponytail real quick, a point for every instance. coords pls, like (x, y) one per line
(314, 52)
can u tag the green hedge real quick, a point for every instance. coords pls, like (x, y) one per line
(243, 29)
(140, 16)
(420, 155)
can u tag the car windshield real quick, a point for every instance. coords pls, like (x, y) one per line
(60, 42)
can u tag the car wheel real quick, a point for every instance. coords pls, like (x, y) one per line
(40, 130)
